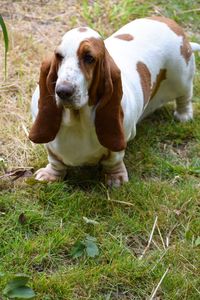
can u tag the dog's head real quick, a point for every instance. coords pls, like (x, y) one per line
(80, 72)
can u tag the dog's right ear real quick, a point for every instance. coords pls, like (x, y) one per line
(106, 94)
(47, 122)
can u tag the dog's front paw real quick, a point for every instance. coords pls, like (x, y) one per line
(116, 180)
(117, 176)
(49, 174)
(183, 117)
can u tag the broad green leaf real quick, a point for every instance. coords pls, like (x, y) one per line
(87, 246)
(19, 280)
(6, 40)
(78, 249)
(91, 248)
(2, 274)
(23, 292)
(197, 242)
(5, 33)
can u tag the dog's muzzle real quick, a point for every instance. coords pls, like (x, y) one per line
(65, 91)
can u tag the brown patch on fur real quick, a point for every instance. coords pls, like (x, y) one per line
(105, 92)
(160, 77)
(49, 116)
(92, 46)
(124, 37)
(145, 79)
(82, 29)
(185, 49)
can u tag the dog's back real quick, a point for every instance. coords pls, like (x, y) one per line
(156, 62)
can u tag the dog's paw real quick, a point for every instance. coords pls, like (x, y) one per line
(117, 176)
(49, 174)
(183, 117)
(116, 180)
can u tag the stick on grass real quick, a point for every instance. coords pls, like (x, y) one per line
(150, 239)
(158, 285)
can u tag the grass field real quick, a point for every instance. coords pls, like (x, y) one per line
(148, 231)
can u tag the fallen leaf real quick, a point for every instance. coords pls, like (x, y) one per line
(18, 173)
(22, 219)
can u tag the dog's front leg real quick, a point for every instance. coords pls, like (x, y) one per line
(114, 169)
(54, 171)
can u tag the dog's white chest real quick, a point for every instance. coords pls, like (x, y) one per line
(76, 143)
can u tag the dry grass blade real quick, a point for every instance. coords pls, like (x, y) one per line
(150, 238)
(196, 289)
(169, 234)
(159, 283)
(118, 201)
(121, 202)
(160, 236)
(188, 11)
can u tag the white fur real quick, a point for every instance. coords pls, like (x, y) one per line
(154, 44)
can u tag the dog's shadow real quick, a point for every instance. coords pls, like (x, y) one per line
(88, 177)
(84, 178)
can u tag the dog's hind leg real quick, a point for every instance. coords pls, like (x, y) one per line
(184, 110)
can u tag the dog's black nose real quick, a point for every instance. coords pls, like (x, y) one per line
(65, 90)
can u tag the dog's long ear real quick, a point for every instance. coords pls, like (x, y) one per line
(106, 93)
(47, 122)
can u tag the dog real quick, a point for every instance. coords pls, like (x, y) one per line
(93, 92)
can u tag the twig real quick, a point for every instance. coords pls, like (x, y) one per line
(121, 202)
(160, 236)
(158, 285)
(150, 239)
(27, 134)
(118, 201)
(188, 11)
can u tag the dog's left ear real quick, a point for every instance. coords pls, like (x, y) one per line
(47, 122)
(106, 94)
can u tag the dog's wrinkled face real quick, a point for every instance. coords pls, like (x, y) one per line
(77, 58)
(80, 72)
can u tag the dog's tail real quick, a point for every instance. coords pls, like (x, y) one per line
(195, 47)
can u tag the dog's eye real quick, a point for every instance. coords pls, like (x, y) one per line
(59, 56)
(88, 59)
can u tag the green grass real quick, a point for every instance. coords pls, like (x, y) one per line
(164, 169)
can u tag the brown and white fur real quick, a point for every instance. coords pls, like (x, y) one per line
(92, 93)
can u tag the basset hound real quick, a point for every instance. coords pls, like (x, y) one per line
(93, 92)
